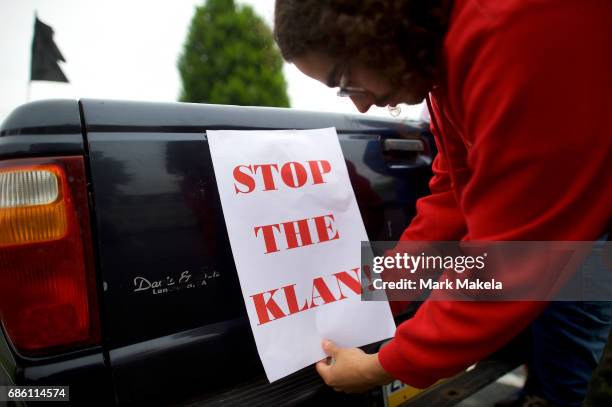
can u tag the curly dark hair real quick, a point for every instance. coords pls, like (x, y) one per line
(400, 38)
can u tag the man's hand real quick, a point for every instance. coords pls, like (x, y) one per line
(352, 370)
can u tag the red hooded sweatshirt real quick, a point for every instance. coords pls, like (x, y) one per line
(523, 124)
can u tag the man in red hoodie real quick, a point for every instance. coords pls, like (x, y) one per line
(519, 98)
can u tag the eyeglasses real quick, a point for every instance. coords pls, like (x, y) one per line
(348, 91)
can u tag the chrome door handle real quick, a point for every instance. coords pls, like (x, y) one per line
(408, 145)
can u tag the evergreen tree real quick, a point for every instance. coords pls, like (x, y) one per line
(230, 58)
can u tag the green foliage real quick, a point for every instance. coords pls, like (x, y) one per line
(230, 58)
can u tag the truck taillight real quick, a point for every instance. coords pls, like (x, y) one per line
(47, 283)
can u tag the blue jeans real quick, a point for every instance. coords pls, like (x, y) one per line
(567, 339)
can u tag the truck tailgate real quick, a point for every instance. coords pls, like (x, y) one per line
(173, 317)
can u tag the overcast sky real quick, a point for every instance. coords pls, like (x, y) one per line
(125, 50)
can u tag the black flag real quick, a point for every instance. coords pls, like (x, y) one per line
(45, 55)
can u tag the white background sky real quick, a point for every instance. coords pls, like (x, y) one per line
(125, 50)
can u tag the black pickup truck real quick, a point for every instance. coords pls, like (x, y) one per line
(104, 203)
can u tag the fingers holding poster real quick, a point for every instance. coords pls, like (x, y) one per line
(295, 231)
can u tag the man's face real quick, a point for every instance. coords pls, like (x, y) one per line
(379, 90)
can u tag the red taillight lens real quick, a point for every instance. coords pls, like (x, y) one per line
(47, 283)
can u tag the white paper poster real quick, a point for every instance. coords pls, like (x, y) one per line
(295, 231)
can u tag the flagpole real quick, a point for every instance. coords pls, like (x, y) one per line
(30, 80)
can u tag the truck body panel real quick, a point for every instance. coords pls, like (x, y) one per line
(173, 320)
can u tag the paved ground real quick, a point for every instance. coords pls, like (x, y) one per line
(503, 388)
